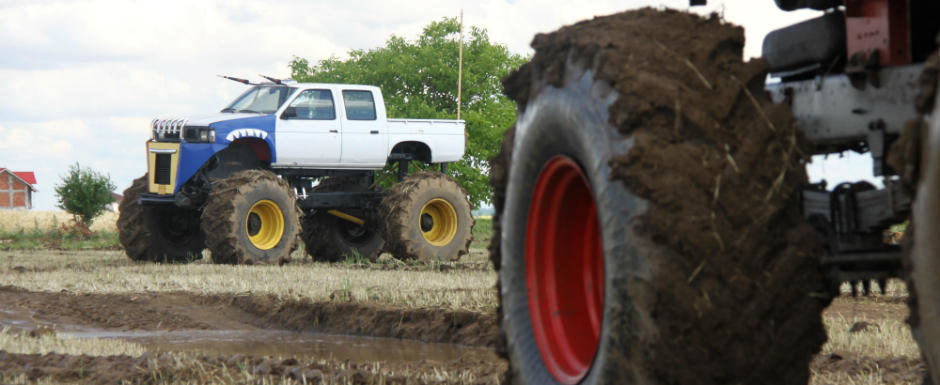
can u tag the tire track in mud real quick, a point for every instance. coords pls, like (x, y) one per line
(187, 311)
(179, 311)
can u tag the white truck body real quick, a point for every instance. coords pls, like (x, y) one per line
(345, 126)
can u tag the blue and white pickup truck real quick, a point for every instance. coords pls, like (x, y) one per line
(288, 157)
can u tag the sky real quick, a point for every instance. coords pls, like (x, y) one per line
(82, 80)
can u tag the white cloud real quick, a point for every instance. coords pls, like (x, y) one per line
(81, 80)
(113, 146)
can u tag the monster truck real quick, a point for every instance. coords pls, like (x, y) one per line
(654, 223)
(289, 158)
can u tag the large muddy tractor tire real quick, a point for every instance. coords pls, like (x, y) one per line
(157, 234)
(648, 223)
(916, 155)
(328, 237)
(251, 217)
(426, 217)
(925, 257)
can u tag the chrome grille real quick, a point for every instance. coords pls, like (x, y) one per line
(162, 169)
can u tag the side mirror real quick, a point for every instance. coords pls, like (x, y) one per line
(289, 113)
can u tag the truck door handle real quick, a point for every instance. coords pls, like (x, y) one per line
(374, 132)
(334, 131)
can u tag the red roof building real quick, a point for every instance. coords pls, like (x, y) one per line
(16, 189)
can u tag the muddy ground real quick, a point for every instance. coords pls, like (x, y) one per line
(186, 311)
(250, 339)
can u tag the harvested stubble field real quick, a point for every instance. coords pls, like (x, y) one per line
(94, 316)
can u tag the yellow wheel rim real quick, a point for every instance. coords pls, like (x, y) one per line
(265, 224)
(438, 222)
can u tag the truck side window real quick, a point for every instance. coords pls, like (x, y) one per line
(314, 105)
(359, 105)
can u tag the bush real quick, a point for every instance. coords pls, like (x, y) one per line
(84, 193)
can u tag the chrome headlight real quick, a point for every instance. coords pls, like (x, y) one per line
(199, 134)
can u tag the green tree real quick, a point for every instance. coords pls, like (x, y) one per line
(84, 193)
(419, 80)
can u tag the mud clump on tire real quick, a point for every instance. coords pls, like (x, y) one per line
(738, 298)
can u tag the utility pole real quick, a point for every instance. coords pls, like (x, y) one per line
(460, 66)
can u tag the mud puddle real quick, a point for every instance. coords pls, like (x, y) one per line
(258, 342)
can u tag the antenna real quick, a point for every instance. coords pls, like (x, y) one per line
(273, 80)
(460, 66)
(240, 80)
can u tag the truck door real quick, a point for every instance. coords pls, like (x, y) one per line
(365, 139)
(307, 132)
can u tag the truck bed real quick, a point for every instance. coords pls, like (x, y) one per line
(426, 126)
(436, 133)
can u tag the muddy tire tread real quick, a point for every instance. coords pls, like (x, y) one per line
(132, 232)
(220, 213)
(400, 198)
(140, 242)
(911, 156)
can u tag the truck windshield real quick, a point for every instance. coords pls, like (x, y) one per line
(261, 100)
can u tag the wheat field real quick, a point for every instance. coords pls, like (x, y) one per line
(27, 220)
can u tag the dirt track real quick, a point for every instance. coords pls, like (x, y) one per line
(181, 310)
(166, 312)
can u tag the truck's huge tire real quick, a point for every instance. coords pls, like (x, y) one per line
(925, 256)
(251, 217)
(427, 217)
(916, 157)
(649, 225)
(330, 238)
(157, 234)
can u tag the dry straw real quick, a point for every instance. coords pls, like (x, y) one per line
(26, 220)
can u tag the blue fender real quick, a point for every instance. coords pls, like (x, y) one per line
(194, 155)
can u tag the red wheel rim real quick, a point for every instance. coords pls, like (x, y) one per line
(564, 270)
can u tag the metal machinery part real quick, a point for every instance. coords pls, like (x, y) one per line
(836, 116)
(301, 181)
(860, 101)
